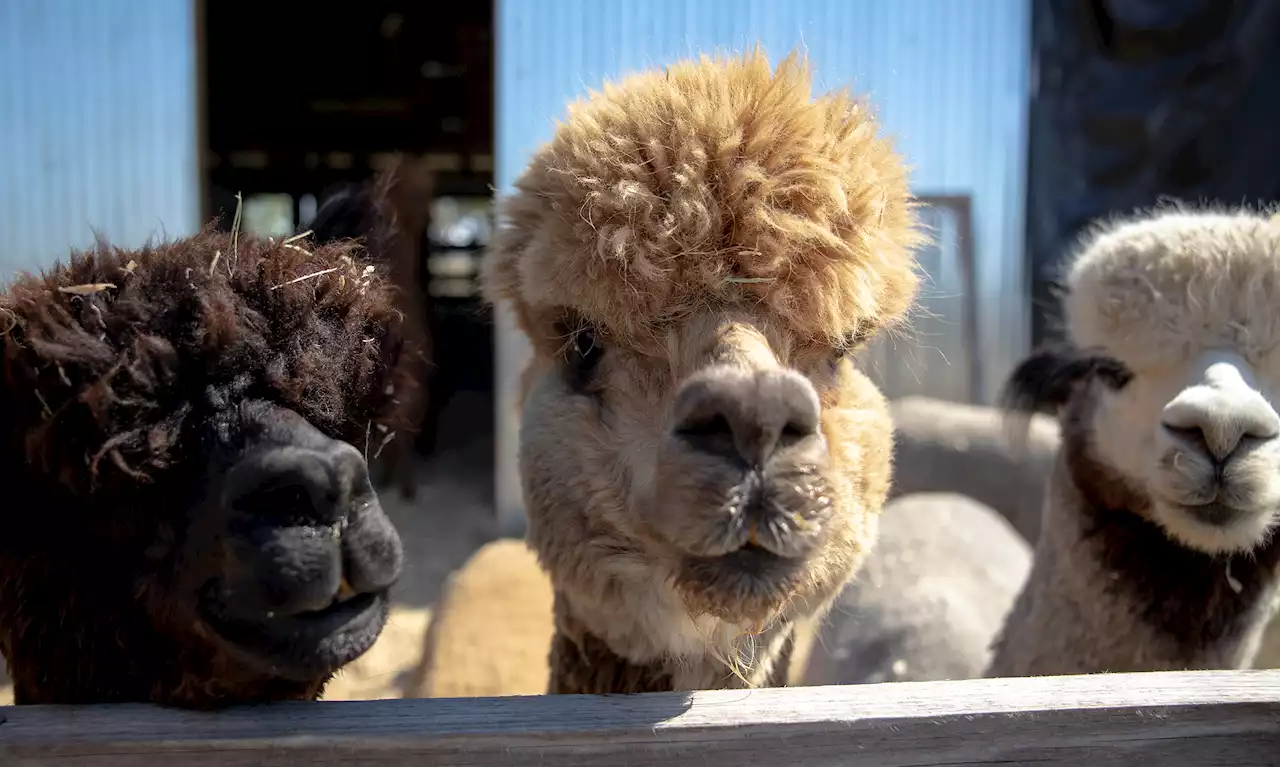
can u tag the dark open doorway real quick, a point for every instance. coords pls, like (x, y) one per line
(299, 97)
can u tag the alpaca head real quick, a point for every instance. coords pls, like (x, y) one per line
(389, 211)
(188, 425)
(1175, 342)
(695, 255)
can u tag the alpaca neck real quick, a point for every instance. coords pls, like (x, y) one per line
(583, 663)
(1110, 592)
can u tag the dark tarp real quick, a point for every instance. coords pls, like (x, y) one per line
(1138, 100)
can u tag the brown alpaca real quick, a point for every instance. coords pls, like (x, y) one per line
(185, 425)
(1157, 548)
(695, 255)
(390, 214)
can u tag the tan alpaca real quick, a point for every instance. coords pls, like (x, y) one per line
(693, 256)
(492, 628)
(1157, 547)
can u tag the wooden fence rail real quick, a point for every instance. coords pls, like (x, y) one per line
(1166, 719)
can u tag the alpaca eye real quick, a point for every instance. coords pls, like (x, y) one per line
(1114, 373)
(584, 356)
(852, 341)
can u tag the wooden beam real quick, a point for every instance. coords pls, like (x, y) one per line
(1171, 719)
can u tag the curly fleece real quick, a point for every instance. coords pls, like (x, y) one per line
(712, 182)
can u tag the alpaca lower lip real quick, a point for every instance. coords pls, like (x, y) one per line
(751, 559)
(750, 576)
(1213, 513)
(307, 645)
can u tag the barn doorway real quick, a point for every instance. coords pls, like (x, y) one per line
(295, 102)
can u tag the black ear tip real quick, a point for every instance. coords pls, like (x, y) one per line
(1046, 379)
(344, 213)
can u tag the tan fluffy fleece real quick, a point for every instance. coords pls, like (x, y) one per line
(492, 629)
(741, 188)
(713, 235)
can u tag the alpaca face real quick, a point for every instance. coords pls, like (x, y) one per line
(1185, 302)
(201, 529)
(292, 557)
(1203, 438)
(737, 464)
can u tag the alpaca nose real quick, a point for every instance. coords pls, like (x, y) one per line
(745, 414)
(305, 485)
(1220, 412)
(304, 519)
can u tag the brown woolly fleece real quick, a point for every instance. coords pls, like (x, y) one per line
(711, 224)
(586, 665)
(113, 365)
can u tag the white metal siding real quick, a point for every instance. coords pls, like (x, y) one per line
(97, 125)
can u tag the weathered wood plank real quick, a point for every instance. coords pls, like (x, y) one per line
(1170, 719)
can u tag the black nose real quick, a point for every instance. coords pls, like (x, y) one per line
(302, 517)
(298, 485)
(745, 414)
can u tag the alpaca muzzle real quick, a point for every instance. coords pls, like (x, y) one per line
(308, 553)
(1218, 443)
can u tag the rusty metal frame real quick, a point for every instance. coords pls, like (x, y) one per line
(961, 206)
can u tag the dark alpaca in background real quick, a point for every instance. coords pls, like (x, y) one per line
(190, 519)
(390, 215)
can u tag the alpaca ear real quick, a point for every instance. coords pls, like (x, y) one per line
(1046, 379)
(363, 211)
(346, 213)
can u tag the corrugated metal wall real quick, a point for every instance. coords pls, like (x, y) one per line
(949, 77)
(97, 125)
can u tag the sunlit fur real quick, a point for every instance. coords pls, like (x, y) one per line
(710, 224)
(1157, 547)
(1168, 296)
(130, 381)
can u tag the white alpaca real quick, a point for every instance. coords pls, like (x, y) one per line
(1157, 546)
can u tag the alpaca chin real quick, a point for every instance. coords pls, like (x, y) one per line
(1219, 530)
(750, 586)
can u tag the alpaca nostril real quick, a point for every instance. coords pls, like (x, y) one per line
(1217, 422)
(305, 528)
(294, 485)
(288, 501)
(304, 484)
(1190, 436)
(709, 435)
(797, 430)
(351, 473)
(744, 415)
(372, 553)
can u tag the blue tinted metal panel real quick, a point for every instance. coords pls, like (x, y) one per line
(949, 79)
(97, 125)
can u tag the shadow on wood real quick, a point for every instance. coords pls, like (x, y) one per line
(1173, 719)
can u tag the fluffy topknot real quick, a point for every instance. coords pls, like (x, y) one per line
(1154, 288)
(712, 182)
